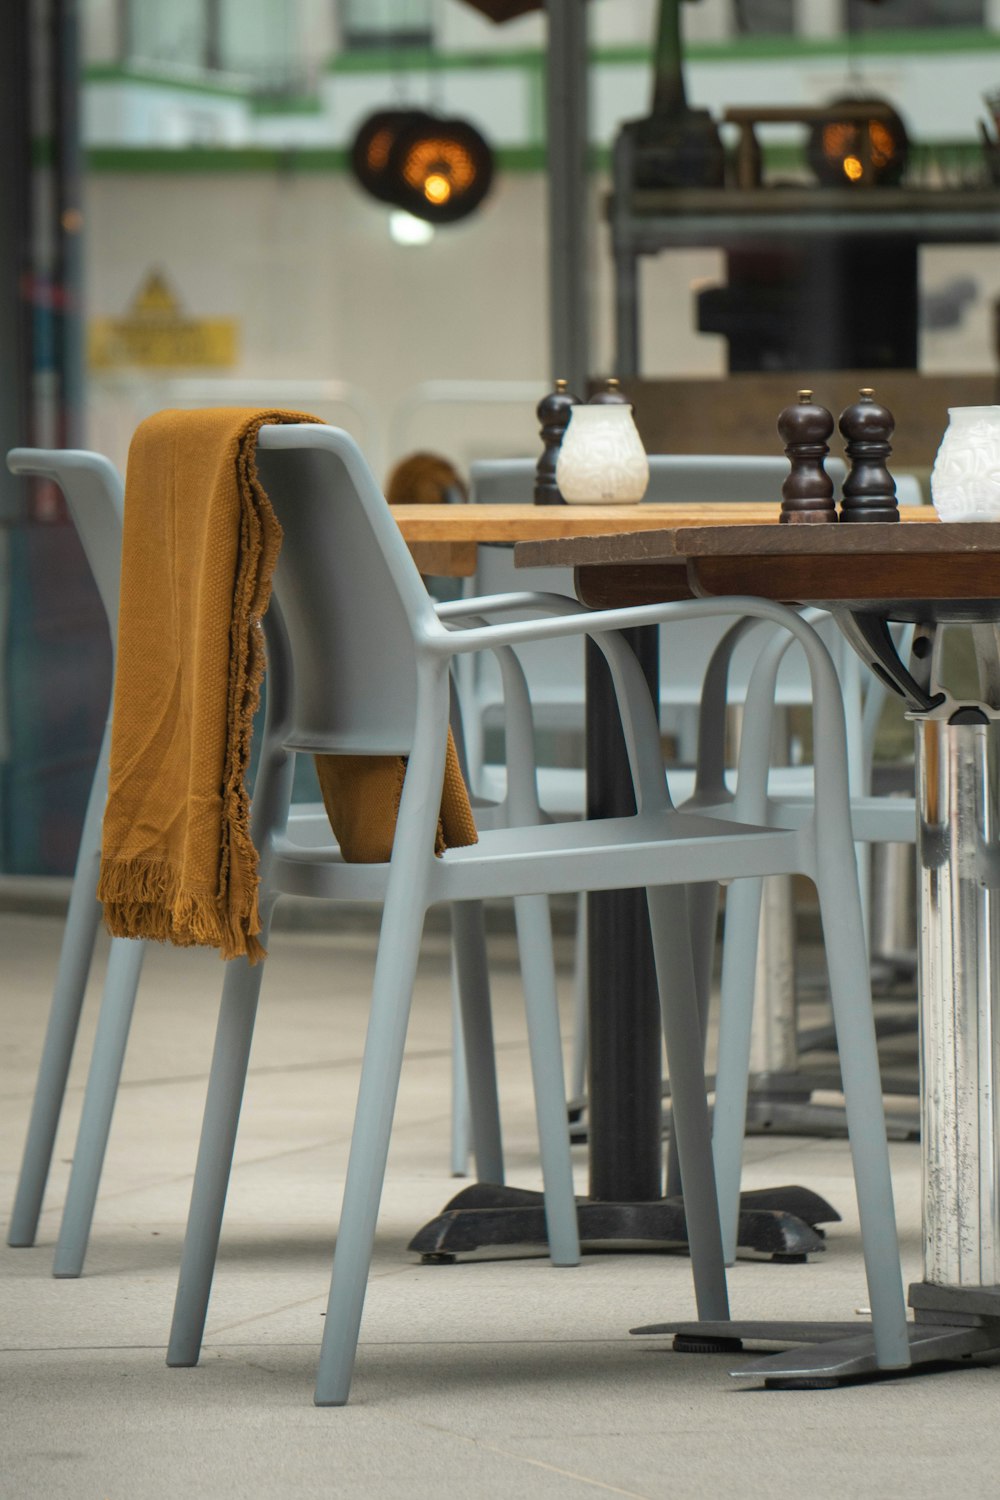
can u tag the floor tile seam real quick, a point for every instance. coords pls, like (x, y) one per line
(481, 1445)
(214, 1334)
(212, 1344)
(115, 1195)
(433, 1054)
(81, 1349)
(376, 1274)
(796, 1144)
(324, 1143)
(542, 1341)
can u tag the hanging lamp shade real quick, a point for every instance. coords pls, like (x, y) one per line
(440, 170)
(862, 143)
(372, 148)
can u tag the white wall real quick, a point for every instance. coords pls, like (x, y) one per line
(306, 265)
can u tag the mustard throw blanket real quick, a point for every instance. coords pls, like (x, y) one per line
(199, 550)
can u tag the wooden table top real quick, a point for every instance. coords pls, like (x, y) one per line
(444, 538)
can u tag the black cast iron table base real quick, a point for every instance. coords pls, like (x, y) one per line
(782, 1103)
(951, 1324)
(779, 1222)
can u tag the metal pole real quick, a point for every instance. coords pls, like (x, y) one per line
(15, 330)
(15, 248)
(567, 146)
(67, 271)
(958, 795)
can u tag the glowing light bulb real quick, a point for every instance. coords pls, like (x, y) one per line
(437, 188)
(853, 168)
(404, 229)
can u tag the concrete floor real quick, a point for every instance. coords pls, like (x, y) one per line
(500, 1377)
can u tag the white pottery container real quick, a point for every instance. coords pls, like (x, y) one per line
(601, 458)
(965, 479)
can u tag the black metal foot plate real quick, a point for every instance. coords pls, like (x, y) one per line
(831, 1354)
(781, 1222)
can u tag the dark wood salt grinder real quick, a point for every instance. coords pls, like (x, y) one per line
(807, 493)
(869, 492)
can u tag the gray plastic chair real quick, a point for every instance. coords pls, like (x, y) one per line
(346, 590)
(873, 819)
(95, 494)
(95, 497)
(555, 675)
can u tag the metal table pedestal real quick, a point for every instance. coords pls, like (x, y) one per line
(957, 1304)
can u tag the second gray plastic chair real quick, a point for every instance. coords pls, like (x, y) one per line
(95, 498)
(555, 674)
(346, 590)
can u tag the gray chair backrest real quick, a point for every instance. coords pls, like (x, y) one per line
(351, 599)
(683, 477)
(555, 669)
(95, 496)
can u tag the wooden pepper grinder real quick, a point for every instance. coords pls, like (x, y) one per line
(807, 493)
(869, 492)
(553, 413)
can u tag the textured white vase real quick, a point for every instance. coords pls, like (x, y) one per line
(965, 479)
(601, 458)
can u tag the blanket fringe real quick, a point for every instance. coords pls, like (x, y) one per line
(143, 899)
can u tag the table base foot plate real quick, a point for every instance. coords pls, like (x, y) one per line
(831, 1354)
(781, 1222)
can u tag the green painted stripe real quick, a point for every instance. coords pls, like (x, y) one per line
(266, 159)
(113, 73)
(959, 155)
(260, 104)
(215, 159)
(274, 104)
(424, 60)
(741, 49)
(866, 44)
(520, 158)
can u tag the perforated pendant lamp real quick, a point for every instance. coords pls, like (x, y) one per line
(372, 147)
(859, 149)
(441, 170)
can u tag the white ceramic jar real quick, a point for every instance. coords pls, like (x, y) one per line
(601, 458)
(965, 479)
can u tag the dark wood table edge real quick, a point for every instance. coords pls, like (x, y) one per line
(951, 569)
(677, 543)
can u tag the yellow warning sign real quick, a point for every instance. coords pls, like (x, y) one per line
(156, 334)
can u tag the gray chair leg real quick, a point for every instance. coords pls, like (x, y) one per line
(476, 1040)
(226, 1083)
(703, 908)
(850, 993)
(676, 981)
(461, 1120)
(732, 1067)
(578, 1058)
(82, 920)
(395, 970)
(117, 1004)
(64, 1018)
(534, 938)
